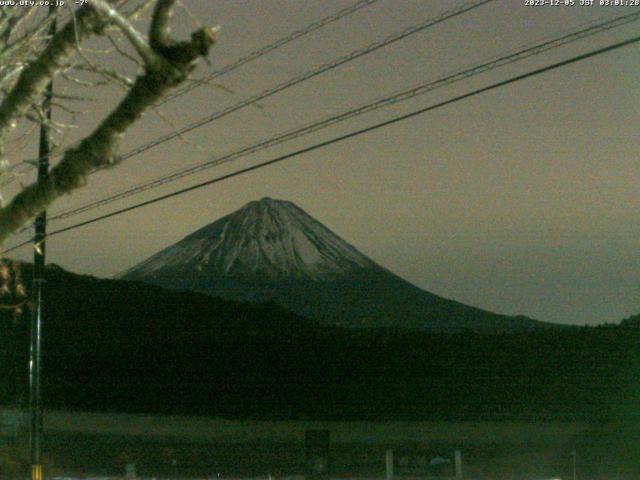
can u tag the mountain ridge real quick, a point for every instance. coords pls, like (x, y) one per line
(284, 241)
(273, 250)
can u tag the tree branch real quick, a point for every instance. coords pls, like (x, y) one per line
(99, 150)
(137, 40)
(38, 73)
(159, 30)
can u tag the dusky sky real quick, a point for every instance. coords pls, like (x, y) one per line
(521, 200)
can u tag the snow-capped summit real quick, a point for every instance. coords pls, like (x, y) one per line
(273, 250)
(267, 239)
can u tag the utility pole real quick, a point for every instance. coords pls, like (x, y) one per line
(35, 351)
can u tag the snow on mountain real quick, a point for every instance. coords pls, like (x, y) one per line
(273, 250)
(267, 238)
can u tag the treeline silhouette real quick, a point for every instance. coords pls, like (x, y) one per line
(111, 345)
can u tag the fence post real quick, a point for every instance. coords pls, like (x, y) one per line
(458, 463)
(389, 463)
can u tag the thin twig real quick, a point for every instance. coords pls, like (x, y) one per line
(100, 148)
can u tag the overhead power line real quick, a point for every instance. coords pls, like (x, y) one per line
(310, 74)
(347, 136)
(310, 28)
(307, 76)
(496, 62)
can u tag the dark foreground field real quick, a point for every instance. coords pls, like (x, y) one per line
(516, 404)
(102, 444)
(124, 347)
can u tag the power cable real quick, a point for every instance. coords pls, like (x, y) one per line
(269, 48)
(309, 75)
(312, 27)
(341, 138)
(383, 102)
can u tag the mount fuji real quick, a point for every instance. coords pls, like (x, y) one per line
(273, 250)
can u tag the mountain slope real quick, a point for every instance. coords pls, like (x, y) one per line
(266, 240)
(273, 250)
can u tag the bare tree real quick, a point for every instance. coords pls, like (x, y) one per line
(31, 56)
(30, 59)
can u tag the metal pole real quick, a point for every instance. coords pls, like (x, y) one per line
(458, 463)
(35, 351)
(389, 464)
